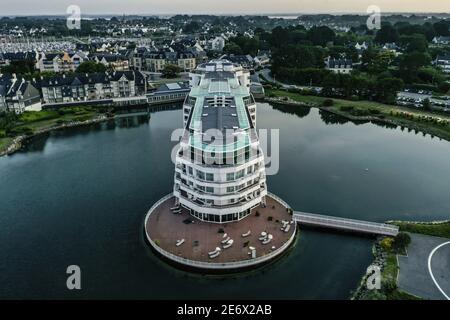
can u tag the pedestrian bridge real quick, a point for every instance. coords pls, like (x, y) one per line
(345, 224)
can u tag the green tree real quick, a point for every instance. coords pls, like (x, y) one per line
(19, 67)
(442, 28)
(320, 36)
(426, 104)
(386, 34)
(171, 71)
(401, 242)
(232, 48)
(91, 67)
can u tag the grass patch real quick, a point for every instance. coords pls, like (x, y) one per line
(438, 229)
(5, 142)
(32, 122)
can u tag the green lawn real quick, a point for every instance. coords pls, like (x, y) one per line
(30, 122)
(441, 229)
(4, 142)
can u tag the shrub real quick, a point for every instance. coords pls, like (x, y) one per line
(346, 108)
(401, 242)
(387, 243)
(374, 111)
(328, 102)
(359, 112)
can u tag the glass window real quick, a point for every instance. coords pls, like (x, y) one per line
(230, 176)
(230, 189)
(190, 170)
(240, 174)
(209, 177)
(200, 175)
(210, 189)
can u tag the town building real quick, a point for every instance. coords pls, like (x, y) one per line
(96, 86)
(18, 95)
(60, 62)
(343, 66)
(441, 40)
(443, 62)
(156, 61)
(116, 62)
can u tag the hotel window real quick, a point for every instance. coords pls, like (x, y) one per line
(230, 189)
(210, 189)
(249, 170)
(209, 177)
(190, 170)
(200, 175)
(230, 176)
(240, 174)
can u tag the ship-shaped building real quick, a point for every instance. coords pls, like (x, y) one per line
(219, 172)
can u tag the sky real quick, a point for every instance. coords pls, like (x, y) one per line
(58, 7)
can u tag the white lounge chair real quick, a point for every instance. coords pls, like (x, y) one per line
(225, 235)
(180, 242)
(175, 208)
(215, 251)
(226, 240)
(269, 238)
(246, 234)
(228, 244)
(215, 255)
(287, 228)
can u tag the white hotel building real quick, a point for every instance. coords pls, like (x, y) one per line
(219, 172)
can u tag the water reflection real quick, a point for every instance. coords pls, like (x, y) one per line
(299, 111)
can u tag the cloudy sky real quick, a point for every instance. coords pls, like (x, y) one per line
(25, 7)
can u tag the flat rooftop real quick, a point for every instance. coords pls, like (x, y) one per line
(220, 105)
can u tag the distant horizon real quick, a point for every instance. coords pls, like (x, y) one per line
(226, 14)
(229, 7)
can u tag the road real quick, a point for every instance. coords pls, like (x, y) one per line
(266, 74)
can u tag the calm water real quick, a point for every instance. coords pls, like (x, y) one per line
(80, 197)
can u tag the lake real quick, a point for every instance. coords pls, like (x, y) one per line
(79, 196)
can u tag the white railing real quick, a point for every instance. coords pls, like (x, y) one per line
(345, 223)
(215, 265)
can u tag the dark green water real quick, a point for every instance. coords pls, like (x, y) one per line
(80, 197)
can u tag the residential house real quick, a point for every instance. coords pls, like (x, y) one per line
(156, 61)
(245, 61)
(216, 44)
(441, 40)
(60, 62)
(18, 95)
(343, 66)
(116, 62)
(443, 62)
(94, 86)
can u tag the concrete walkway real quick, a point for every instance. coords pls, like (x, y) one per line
(415, 276)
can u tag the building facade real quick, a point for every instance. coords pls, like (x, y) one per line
(94, 86)
(18, 95)
(219, 171)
